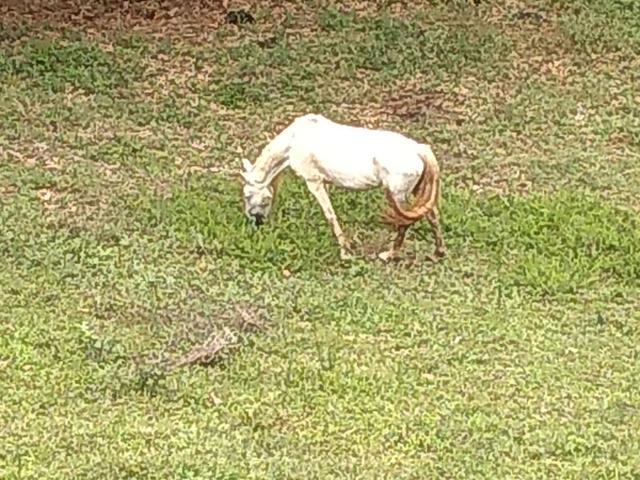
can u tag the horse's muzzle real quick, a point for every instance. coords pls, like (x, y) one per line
(258, 219)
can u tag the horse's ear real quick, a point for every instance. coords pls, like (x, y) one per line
(239, 176)
(246, 164)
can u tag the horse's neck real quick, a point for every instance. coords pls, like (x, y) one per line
(272, 167)
(274, 159)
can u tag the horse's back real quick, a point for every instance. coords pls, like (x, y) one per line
(322, 127)
(310, 119)
(350, 156)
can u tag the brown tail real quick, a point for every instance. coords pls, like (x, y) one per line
(427, 193)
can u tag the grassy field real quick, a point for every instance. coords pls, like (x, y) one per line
(124, 248)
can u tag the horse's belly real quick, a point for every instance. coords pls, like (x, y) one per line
(351, 174)
(355, 183)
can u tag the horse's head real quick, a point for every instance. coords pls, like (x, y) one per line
(258, 196)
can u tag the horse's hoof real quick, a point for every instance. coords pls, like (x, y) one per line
(440, 253)
(386, 256)
(437, 256)
(344, 255)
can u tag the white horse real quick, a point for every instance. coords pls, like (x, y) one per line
(324, 152)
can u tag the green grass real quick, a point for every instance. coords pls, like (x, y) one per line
(53, 65)
(124, 247)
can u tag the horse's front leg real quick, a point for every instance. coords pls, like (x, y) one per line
(434, 220)
(319, 191)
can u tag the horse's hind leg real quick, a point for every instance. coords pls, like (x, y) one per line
(319, 191)
(434, 220)
(401, 232)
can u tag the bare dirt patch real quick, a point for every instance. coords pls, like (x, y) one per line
(154, 17)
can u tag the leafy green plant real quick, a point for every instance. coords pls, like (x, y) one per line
(54, 66)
